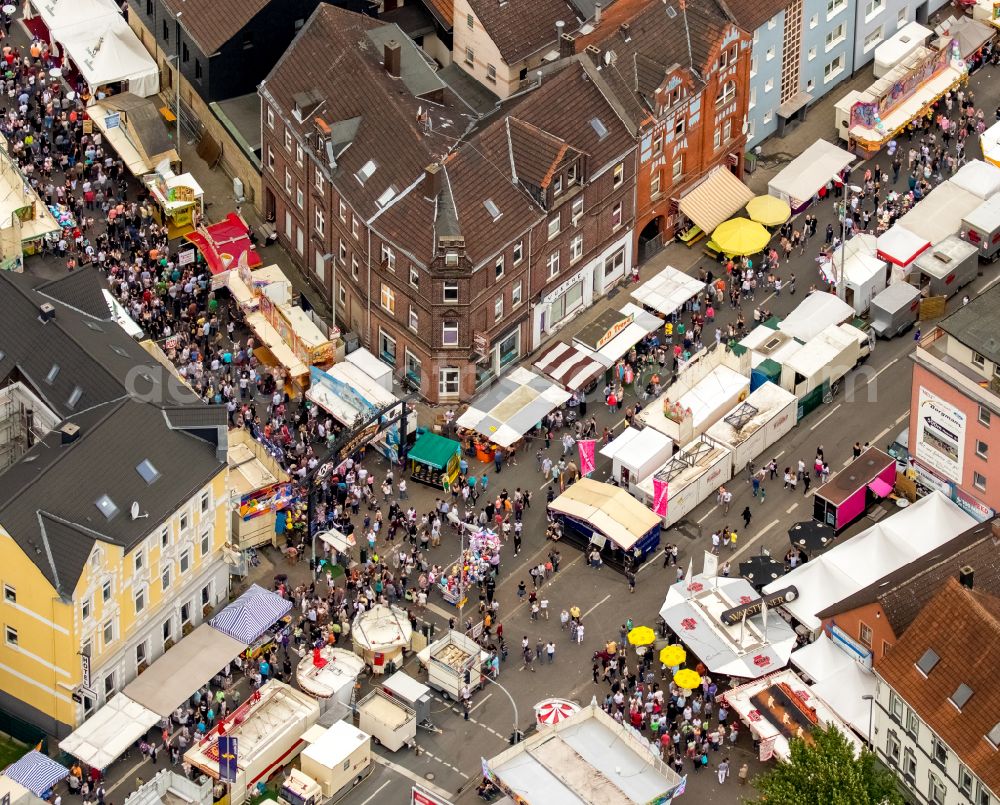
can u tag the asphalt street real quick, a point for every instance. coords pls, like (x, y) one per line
(872, 406)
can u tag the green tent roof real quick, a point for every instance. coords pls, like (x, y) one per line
(433, 450)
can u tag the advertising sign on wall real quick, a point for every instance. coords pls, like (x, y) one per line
(940, 442)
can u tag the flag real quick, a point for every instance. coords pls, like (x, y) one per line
(227, 758)
(711, 567)
(660, 497)
(586, 450)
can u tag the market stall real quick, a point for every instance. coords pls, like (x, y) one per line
(989, 140)
(667, 291)
(692, 475)
(982, 179)
(260, 485)
(900, 247)
(704, 612)
(635, 454)
(755, 424)
(570, 366)
(839, 679)
(107, 52)
(477, 562)
(377, 369)
(855, 563)
(865, 275)
(612, 334)
(43, 17)
(180, 203)
(780, 707)
(809, 173)
(328, 674)
(110, 732)
(849, 493)
(136, 130)
(719, 195)
(381, 635)
(37, 772)
(434, 460)
(510, 408)
(223, 245)
(972, 36)
(24, 219)
(814, 314)
(939, 214)
(605, 516)
(269, 281)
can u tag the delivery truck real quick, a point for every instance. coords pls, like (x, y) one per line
(981, 228)
(895, 310)
(339, 759)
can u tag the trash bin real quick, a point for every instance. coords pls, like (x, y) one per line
(749, 162)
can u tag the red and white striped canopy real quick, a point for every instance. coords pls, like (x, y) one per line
(568, 366)
(554, 711)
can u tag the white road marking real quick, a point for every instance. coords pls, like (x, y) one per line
(890, 363)
(480, 703)
(409, 775)
(595, 606)
(707, 514)
(756, 537)
(819, 422)
(791, 508)
(376, 792)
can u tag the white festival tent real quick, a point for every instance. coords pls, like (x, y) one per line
(805, 175)
(814, 314)
(65, 16)
(108, 51)
(874, 553)
(838, 679)
(742, 650)
(668, 291)
(940, 213)
(979, 178)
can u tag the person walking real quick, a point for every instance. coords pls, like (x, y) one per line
(550, 651)
(743, 773)
(746, 515)
(723, 770)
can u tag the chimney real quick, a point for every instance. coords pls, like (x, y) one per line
(560, 27)
(567, 45)
(432, 180)
(597, 14)
(69, 433)
(391, 58)
(594, 52)
(46, 312)
(965, 576)
(623, 29)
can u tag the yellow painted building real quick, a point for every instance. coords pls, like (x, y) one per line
(111, 535)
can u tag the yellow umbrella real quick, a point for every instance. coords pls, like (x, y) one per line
(672, 655)
(641, 636)
(687, 678)
(740, 236)
(769, 211)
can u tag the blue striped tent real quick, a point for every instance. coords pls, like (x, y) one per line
(252, 614)
(36, 772)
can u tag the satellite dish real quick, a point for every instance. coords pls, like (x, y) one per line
(746, 127)
(135, 511)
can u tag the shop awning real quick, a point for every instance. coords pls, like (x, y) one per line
(609, 509)
(36, 772)
(252, 614)
(667, 292)
(228, 237)
(880, 487)
(434, 450)
(642, 324)
(188, 665)
(803, 177)
(105, 736)
(900, 246)
(571, 367)
(514, 405)
(338, 540)
(714, 200)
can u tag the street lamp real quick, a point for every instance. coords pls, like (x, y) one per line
(516, 737)
(871, 706)
(851, 190)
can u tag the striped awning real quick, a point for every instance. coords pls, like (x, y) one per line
(717, 198)
(36, 772)
(568, 365)
(252, 614)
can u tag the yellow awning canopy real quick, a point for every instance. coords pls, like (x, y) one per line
(715, 199)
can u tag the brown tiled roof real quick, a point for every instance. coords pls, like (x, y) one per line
(335, 58)
(212, 23)
(903, 593)
(536, 154)
(962, 627)
(751, 14)
(521, 27)
(656, 37)
(444, 10)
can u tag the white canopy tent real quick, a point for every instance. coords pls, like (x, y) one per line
(803, 177)
(104, 737)
(65, 16)
(668, 290)
(513, 406)
(940, 214)
(900, 246)
(107, 51)
(839, 679)
(814, 314)
(980, 178)
(990, 142)
(874, 553)
(608, 509)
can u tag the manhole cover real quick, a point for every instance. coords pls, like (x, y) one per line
(429, 775)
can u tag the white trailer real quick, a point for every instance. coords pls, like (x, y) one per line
(389, 721)
(692, 475)
(755, 424)
(824, 359)
(900, 46)
(269, 726)
(339, 759)
(449, 659)
(635, 454)
(865, 274)
(981, 228)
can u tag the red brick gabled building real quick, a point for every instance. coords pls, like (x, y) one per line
(682, 76)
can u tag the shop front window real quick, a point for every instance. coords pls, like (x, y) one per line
(568, 303)
(508, 350)
(413, 367)
(387, 347)
(484, 375)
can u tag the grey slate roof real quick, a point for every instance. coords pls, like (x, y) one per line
(81, 290)
(48, 500)
(977, 324)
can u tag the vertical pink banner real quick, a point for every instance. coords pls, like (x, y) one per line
(660, 497)
(586, 448)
